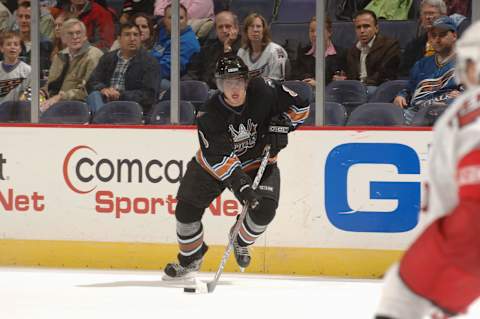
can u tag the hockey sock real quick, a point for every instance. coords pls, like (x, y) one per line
(190, 241)
(256, 222)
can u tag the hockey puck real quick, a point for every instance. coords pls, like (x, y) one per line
(189, 290)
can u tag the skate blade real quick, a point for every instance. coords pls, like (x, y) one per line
(188, 278)
(242, 269)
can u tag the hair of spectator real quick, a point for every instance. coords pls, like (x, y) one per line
(25, 4)
(150, 24)
(363, 12)
(67, 24)
(127, 26)
(440, 4)
(233, 15)
(328, 23)
(9, 35)
(266, 38)
(168, 6)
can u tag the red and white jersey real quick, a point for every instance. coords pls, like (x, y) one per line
(454, 158)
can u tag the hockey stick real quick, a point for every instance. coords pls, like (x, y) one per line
(213, 283)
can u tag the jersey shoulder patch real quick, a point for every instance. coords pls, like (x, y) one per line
(289, 91)
(469, 112)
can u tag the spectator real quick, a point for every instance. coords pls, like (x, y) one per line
(463, 7)
(375, 58)
(303, 68)
(421, 46)
(133, 7)
(23, 18)
(5, 18)
(46, 20)
(127, 74)
(203, 64)
(97, 19)
(197, 9)
(57, 40)
(147, 31)
(259, 52)
(14, 74)
(432, 78)
(72, 66)
(163, 48)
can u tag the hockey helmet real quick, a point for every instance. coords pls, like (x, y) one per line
(231, 66)
(467, 52)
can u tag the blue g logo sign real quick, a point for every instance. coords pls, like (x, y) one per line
(339, 164)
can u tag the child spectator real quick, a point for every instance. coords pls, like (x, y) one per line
(14, 74)
(259, 52)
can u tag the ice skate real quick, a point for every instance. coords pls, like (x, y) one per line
(177, 272)
(242, 255)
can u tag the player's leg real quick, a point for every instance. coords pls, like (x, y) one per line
(197, 190)
(256, 221)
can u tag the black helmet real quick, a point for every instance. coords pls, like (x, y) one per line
(230, 66)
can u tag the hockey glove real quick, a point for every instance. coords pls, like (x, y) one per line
(278, 133)
(248, 197)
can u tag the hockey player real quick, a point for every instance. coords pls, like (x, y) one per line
(440, 272)
(233, 130)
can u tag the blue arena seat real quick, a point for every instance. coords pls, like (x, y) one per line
(193, 91)
(119, 112)
(15, 111)
(67, 112)
(242, 8)
(387, 91)
(296, 11)
(376, 114)
(335, 114)
(160, 114)
(349, 93)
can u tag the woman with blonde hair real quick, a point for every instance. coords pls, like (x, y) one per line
(259, 52)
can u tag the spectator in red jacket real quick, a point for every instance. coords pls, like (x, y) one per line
(98, 20)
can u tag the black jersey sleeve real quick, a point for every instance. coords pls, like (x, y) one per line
(216, 154)
(287, 101)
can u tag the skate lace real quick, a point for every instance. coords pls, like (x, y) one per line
(241, 250)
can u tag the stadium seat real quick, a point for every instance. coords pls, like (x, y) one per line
(335, 114)
(427, 116)
(15, 111)
(296, 11)
(161, 113)
(376, 114)
(290, 36)
(387, 91)
(67, 112)
(242, 8)
(304, 90)
(349, 93)
(193, 91)
(119, 112)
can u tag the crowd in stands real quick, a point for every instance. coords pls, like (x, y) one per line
(98, 52)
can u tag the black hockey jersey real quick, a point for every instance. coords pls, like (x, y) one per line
(232, 139)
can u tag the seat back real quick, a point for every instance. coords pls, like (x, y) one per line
(119, 112)
(349, 93)
(15, 111)
(304, 90)
(296, 11)
(387, 91)
(427, 116)
(335, 114)
(67, 112)
(243, 8)
(377, 114)
(160, 114)
(193, 91)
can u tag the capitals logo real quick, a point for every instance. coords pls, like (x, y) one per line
(245, 137)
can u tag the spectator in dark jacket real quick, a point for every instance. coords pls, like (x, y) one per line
(375, 58)
(97, 19)
(202, 66)
(127, 74)
(421, 46)
(303, 68)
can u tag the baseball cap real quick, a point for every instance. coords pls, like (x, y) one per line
(446, 23)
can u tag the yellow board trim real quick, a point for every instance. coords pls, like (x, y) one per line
(358, 263)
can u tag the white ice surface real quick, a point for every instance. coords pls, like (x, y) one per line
(37, 293)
